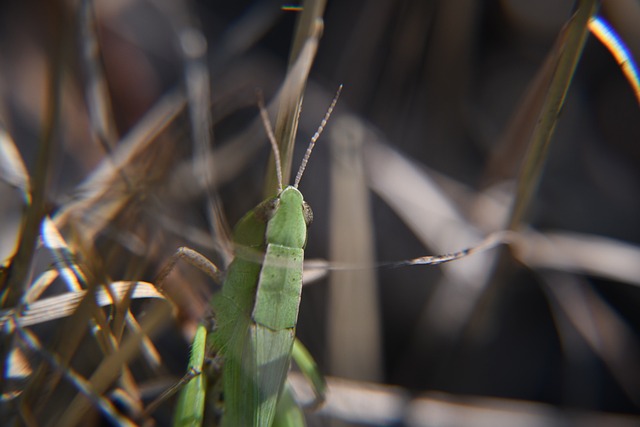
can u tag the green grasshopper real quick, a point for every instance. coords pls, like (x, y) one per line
(257, 310)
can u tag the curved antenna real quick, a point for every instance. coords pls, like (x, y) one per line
(315, 137)
(272, 138)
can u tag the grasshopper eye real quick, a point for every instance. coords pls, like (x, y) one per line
(307, 213)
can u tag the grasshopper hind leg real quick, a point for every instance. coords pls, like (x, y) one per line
(288, 412)
(193, 257)
(311, 372)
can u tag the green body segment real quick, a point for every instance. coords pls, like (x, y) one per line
(257, 309)
(278, 293)
(190, 407)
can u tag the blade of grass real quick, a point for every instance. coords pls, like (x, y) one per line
(569, 50)
(59, 306)
(566, 54)
(196, 76)
(96, 91)
(15, 283)
(365, 403)
(355, 351)
(12, 168)
(303, 51)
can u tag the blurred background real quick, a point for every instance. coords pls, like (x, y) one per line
(438, 103)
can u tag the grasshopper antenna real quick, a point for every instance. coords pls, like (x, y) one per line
(315, 137)
(491, 241)
(272, 138)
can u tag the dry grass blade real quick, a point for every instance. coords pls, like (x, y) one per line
(355, 351)
(97, 91)
(514, 141)
(196, 74)
(579, 253)
(479, 411)
(59, 306)
(66, 266)
(567, 50)
(12, 169)
(374, 404)
(417, 198)
(303, 52)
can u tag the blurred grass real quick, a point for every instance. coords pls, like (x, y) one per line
(434, 89)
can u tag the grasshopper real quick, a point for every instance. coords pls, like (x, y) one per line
(257, 310)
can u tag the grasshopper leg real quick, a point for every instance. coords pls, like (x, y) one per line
(191, 402)
(311, 372)
(288, 413)
(193, 258)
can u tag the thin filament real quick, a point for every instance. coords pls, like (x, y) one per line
(272, 138)
(315, 137)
